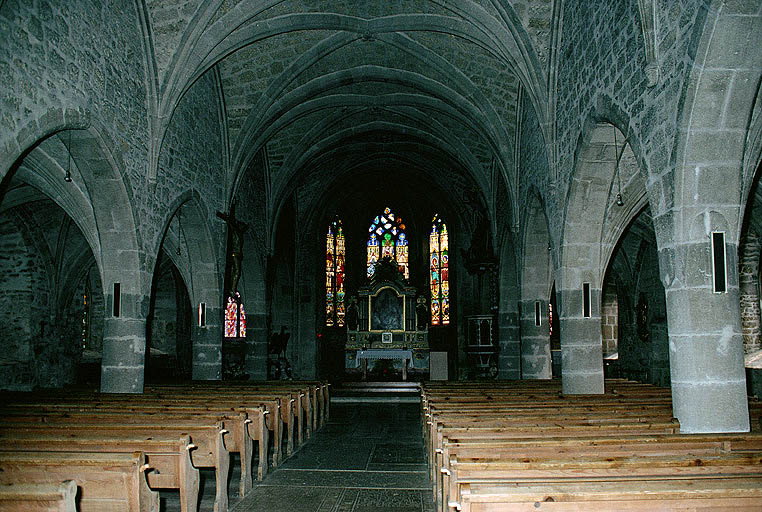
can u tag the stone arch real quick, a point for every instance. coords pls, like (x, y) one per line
(98, 200)
(186, 227)
(506, 39)
(169, 350)
(592, 192)
(714, 126)
(464, 101)
(536, 282)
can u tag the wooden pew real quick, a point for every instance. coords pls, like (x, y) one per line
(566, 458)
(209, 439)
(715, 494)
(485, 450)
(107, 481)
(167, 455)
(48, 497)
(529, 427)
(555, 430)
(306, 399)
(245, 427)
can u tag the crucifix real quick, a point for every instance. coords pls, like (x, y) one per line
(236, 229)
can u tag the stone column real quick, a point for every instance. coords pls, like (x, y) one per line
(535, 342)
(124, 346)
(581, 350)
(509, 356)
(207, 346)
(256, 346)
(749, 290)
(610, 320)
(705, 341)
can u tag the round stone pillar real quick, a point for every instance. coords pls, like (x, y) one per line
(705, 342)
(535, 342)
(207, 347)
(124, 350)
(581, 343)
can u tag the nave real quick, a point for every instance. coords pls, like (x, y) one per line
(368, 458)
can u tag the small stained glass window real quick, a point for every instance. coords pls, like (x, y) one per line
(335, 255)
(235, 317)
(439, 278)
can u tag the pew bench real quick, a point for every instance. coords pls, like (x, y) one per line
(107, 481)
(511, 450)
(717, 494)
(209, 440)
(244, 428)
(46, 497)
(591, 468)
(167, 455)
(557, 430)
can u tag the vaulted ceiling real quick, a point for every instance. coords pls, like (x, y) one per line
(329, 87)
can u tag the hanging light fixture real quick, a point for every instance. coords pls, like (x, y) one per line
(67, 176)
(619, 201)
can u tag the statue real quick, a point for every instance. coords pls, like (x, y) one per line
(353, 315)
(279, 341)
(421, 313)
(236, 229)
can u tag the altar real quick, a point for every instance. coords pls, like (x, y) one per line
(387, 326)
(363, 356)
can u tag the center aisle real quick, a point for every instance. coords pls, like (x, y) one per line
(369, 457)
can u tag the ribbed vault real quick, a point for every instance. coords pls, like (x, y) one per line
(313, 82)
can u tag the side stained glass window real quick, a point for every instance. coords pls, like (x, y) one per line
(439, 272)
(387, 239)
(335, 254)
(235, 317)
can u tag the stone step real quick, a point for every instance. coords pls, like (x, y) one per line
(376, 392)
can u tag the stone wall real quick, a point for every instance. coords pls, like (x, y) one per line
(38, 352)
(609, 320)
(76, 55)
(601, 71)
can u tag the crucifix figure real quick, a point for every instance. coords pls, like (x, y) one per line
(236, 229)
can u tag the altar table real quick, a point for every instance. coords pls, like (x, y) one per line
(405, 355)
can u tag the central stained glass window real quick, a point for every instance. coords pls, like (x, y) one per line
(387, 239)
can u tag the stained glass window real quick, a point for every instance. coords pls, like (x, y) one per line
(235, 318)
(335, 253)
(439, 272)
(386, 239)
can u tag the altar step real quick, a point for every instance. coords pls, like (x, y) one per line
(394, 392)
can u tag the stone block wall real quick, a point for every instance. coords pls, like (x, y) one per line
(609, 320)
(38, 351)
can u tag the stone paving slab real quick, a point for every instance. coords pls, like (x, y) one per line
(368, 458)
(350, 479)
(336, 499)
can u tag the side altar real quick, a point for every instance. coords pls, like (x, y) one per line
(387, 325)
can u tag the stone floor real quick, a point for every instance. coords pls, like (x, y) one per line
(367, 458)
